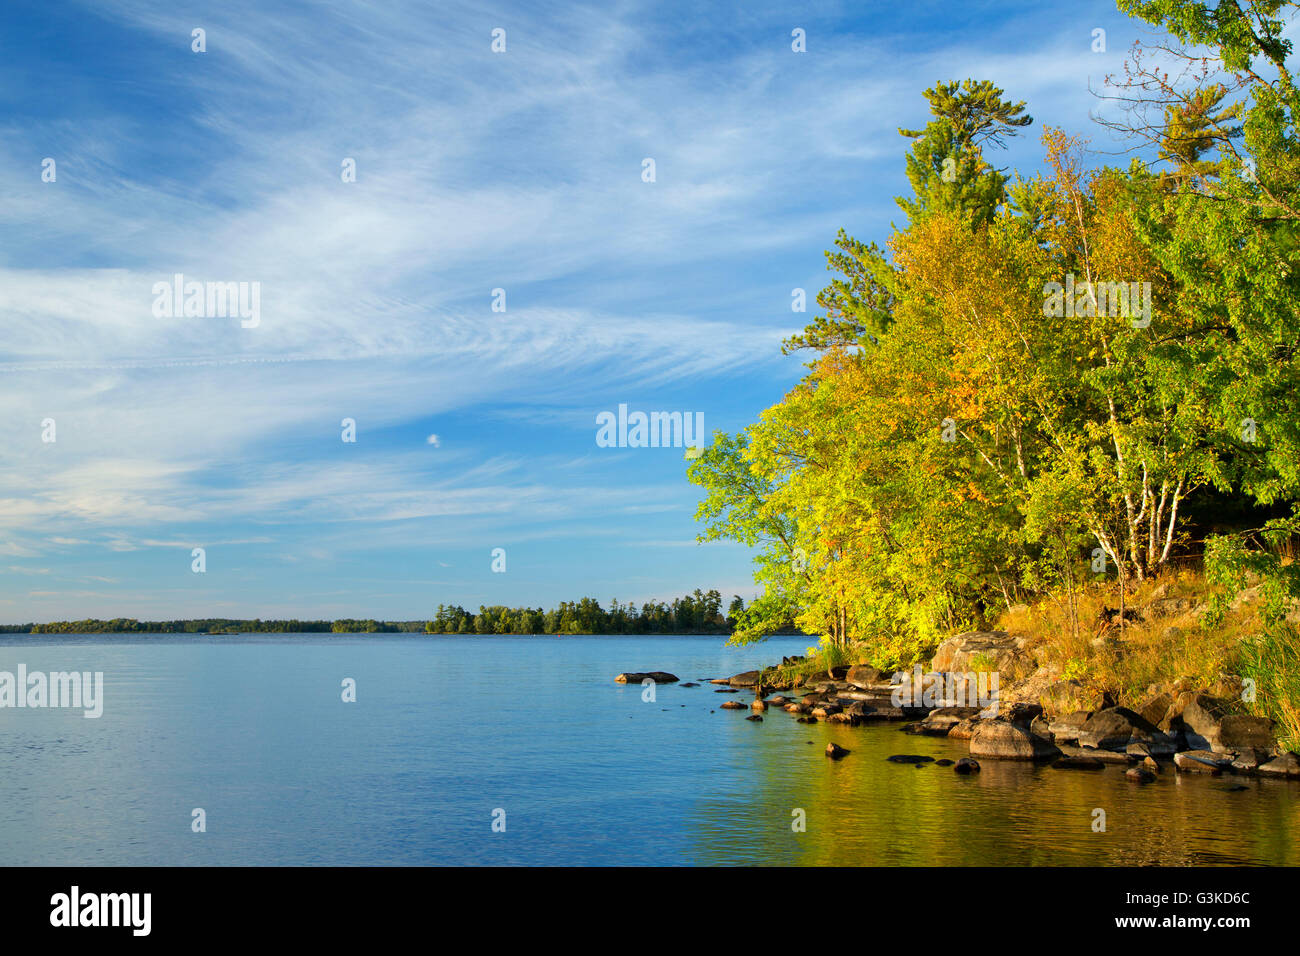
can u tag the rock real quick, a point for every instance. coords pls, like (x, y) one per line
(1154, 709)
(778, 701)
(806, 720)
(843, 718)
(825, 710)
(1149, 763)
(690, 683)
(758, 705)
(966, 765)
(718, 680)
(1209, 725)
(1066, 728)
(1007, 741)
(754, 717)
(732, 705)
(838, 672)
(1201, 761)
(1116, 727)
(745, 679)
(963, 729)
(996, 650)
(1287, 765)
(939, 722)
(910, 758)
(835, 751)
(943, 762)
(796, 708)
(1239, 732)
(1022, 714)
(1137, 748)
(1079, 763)
(636, 677)
(1139, 775)
(863, 676)
(1250, 759)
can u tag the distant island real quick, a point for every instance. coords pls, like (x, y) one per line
(697, 613)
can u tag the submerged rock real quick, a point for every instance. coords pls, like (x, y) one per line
(1079, 763)
(754, 717)
(835, 751)
(967, 765)
(636, 677)
(910, 758)
(1139, 775)
(732, 705)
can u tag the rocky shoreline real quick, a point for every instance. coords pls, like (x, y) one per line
(1191, 730)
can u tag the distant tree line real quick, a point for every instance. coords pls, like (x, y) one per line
(697, 613)
(127, 625)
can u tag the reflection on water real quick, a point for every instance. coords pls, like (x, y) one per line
(447, 729)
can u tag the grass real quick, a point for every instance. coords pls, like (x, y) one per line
(1166, 649)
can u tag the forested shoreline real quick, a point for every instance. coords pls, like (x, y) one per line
(1048, 394)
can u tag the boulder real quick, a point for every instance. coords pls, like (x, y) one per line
(1116, 727)
(1023, 714)
(1004, 740)
(745, 679)
(636, 677)
(1139, 775)
(864, 676)
(1201, 761)
(835, 751)
(939, 722)
(1209, 725)
(1249, 760)
(796, 708)
(806, 720)
(825, 710)
(966, 765)
(1066, 728)
(1153, 710)
(754, 717)
(963, 729)
(1287, 765)
(758, 705)
(984, 651)
(732, 705)
(837, 672)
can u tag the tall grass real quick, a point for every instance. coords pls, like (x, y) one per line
(1272, 661)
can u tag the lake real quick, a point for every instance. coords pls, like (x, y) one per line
(446, 730)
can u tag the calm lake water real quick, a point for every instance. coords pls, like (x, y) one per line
(446, 730)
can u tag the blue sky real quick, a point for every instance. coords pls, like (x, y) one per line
(475, 171)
